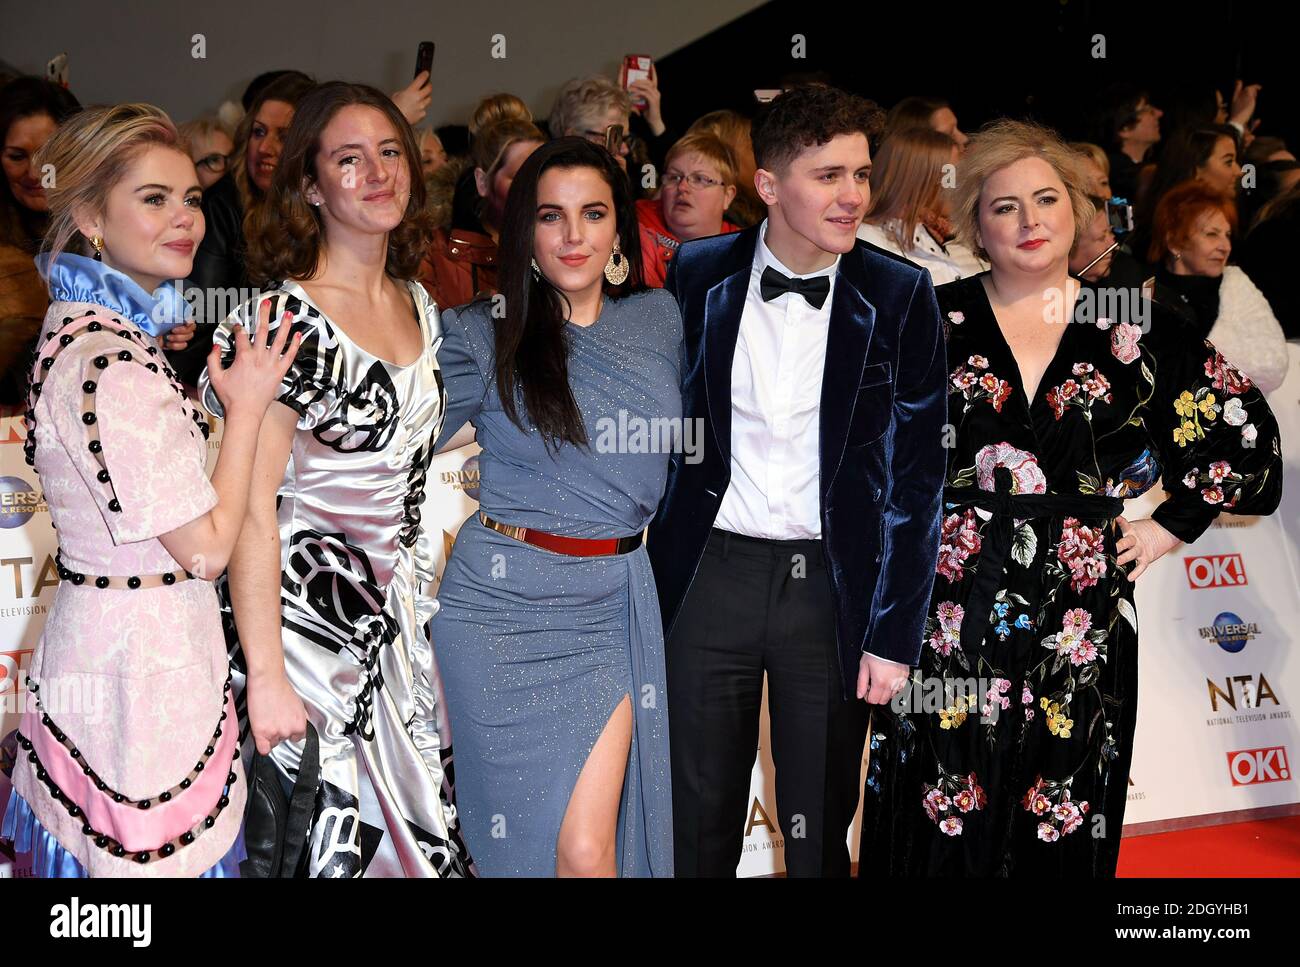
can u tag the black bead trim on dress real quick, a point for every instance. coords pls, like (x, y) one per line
(108, 843)
(102, 786)
(88, 387)
(133, 583)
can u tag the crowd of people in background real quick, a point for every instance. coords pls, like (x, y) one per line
(643, 225)
(696, 180)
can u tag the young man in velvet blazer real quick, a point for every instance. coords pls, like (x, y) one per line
(800, 540)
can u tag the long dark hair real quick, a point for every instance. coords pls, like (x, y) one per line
(1185, 151)
(532, 344)
(286, 234)
(26, 97)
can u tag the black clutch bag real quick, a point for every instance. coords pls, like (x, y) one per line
(275, 827)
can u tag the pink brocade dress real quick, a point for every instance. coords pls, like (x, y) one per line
(129, 759)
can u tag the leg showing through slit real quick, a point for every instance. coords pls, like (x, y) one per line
(590, 827)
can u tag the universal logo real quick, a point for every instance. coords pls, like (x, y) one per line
(466, 478)
(1229, 632)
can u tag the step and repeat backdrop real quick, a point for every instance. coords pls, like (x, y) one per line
(1218, 671)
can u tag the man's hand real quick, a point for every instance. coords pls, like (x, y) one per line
(413, 100)
(879, 680)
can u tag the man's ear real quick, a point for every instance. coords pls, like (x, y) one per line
(765, 185)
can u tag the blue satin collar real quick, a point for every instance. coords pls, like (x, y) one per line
(75, 278)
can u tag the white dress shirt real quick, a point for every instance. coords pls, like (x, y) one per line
(776, 388)
(946, 263)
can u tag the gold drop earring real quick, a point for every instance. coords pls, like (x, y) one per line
(617, 268)
(99, 247)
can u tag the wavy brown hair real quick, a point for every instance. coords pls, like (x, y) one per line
(285, 232)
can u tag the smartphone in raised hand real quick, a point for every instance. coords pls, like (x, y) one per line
(636, 67)
(424, 58)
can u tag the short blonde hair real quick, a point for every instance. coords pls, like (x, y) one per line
(710, 147)
(1000, 144)
(90, 153)
(203, 127)
(583, 98)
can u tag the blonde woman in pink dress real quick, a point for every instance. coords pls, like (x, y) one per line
(127, 758)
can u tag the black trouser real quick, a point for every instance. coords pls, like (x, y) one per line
(760, 606)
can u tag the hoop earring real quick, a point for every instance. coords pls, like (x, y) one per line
(617, 268)
(99, 247)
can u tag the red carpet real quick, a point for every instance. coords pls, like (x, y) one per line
(1269, 847)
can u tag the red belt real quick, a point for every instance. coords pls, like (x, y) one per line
(573, 546)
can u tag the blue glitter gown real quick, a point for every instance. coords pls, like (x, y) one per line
(537, 649)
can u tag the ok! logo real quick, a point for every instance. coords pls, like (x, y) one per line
(1215, 571)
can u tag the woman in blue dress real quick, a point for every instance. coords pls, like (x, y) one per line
(548, 633)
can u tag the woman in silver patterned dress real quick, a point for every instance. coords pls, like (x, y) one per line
(334, 514)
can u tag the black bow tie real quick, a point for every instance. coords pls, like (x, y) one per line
(815, 290)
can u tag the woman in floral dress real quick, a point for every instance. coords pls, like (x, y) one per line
(1010, 755)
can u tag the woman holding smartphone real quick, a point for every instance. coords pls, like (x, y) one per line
(128, 761)
(548, 631)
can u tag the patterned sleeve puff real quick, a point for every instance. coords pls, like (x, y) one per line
(1217, 437)
(309, 387)
(123, 426)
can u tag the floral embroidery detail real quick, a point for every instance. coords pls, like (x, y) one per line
(1248, 434)
(1073, 392)
(1051, 802)
(1077, 641)
(975, 386)
(1082, 550)
(952, 794)
(1057, 723)
(1220, 480)
(1135, 479)
(1124, 342)
(1026, 476)
(1234, 412)
(956, 318)
(996, 695)
(1225, 376)
(954, 715)
(945, 633)
(1027, 700)
(959, 540)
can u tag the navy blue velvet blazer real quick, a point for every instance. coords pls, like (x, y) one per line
(882, 418)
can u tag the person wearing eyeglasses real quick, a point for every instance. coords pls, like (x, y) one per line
(209, 147)
(699, 182)
(587, 107)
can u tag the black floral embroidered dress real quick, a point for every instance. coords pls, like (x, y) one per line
(1011, 755)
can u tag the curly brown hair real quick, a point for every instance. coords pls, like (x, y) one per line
(285, 233)
(810, 115)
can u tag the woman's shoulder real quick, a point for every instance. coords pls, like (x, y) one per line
(655, 309)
